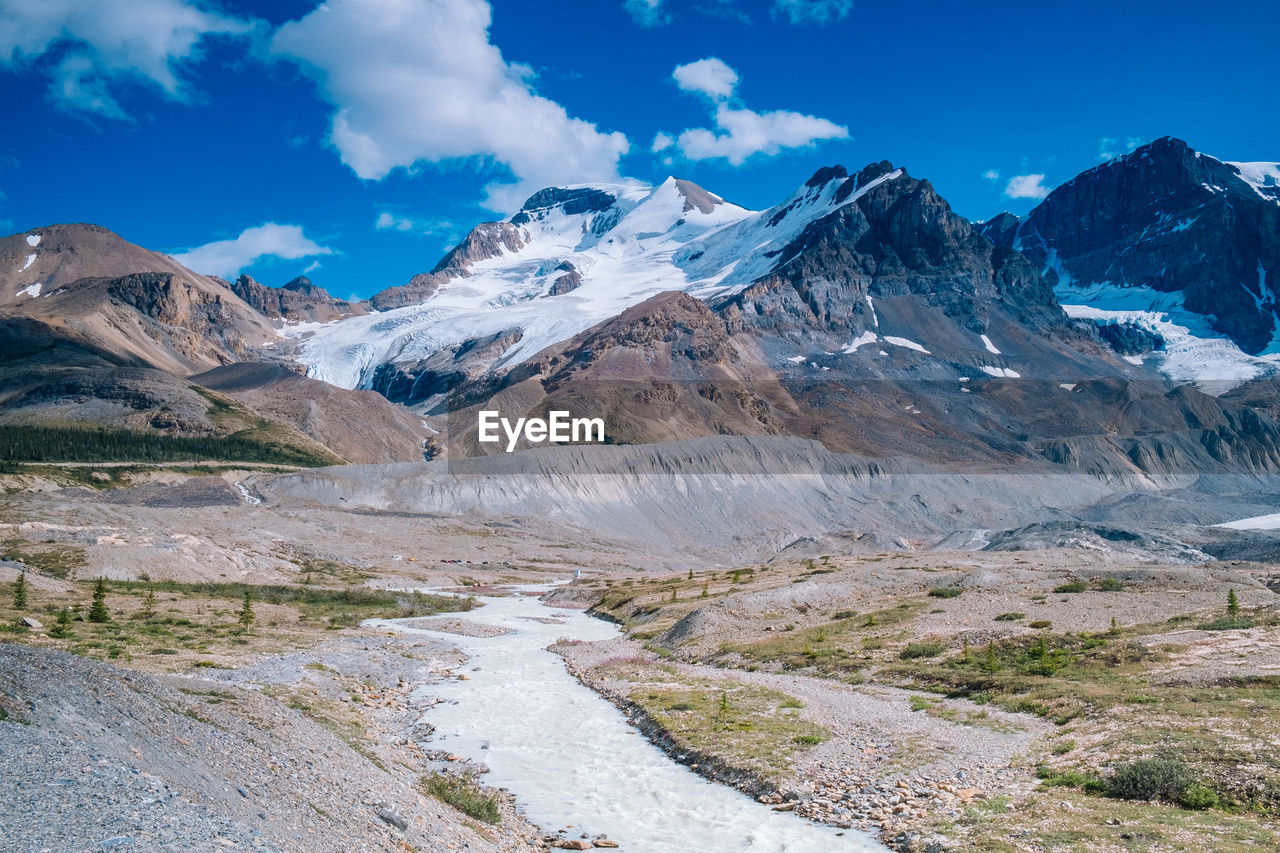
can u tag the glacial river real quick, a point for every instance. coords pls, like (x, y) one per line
(572, 760)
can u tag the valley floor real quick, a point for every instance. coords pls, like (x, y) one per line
(945, 700)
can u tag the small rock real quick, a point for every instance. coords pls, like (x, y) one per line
(31, 623)
(605, 842)
(573, 844)
(393, 819)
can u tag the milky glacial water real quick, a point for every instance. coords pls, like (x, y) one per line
(570, 757)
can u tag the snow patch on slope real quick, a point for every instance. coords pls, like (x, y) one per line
(906, 343)
(1263, 177)
(32, 290)
(1257, 522)
(861, 340)
(33, 240)
(1193, 351)
(31, 259)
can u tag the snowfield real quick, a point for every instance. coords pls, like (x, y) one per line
(651, 240)
(1193, 351)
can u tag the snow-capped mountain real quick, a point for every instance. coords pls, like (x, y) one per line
(571, 258)
(1171, 249)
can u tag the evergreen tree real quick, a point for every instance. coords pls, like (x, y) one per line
(98, 611)
(1233, 603)
(246, 613)
(20, 592)
(62, 630)
(149, 605)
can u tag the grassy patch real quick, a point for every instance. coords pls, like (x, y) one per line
(55, 560)
(748, 727)
(99, 444)
(463, 794)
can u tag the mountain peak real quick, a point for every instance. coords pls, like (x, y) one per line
(826, 175)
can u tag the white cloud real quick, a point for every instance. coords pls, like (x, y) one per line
(417, 81)
(739, 132)
(711, 77)
(991, 174)
(1026, 186)
(647, 13)
(105, 43)
(388, 221)
(1109, 147)
(800, 12)
(662, 141)
(226, 258)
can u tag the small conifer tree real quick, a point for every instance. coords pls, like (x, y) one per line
(246, 612)
(149, 605)
(1233, 603)
(690, 574)
(98, 610)
(20, 592)
(62, 628)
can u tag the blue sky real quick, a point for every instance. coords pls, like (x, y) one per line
(358, 139)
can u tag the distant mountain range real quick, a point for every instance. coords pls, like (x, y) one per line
(1093, 334)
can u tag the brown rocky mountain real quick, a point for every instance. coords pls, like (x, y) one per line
(126, 300)
(95, 331)
(296, 301)
(361, 427)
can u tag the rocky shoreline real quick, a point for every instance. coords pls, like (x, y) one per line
(857, 790)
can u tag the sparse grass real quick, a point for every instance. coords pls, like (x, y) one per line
(749, 727)
(464, 794)
(1073, 587)
(946, 592)
(923, 649)
(49, 558)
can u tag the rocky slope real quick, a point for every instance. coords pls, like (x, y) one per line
(1164, 230)
(125, 299)
(298, 300)
(359, 426)
(98, 332)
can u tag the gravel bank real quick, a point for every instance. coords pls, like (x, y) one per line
(97, 758)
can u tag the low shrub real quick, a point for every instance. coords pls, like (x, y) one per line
(1110, 585)
(1150, 779)
(1010, 617)
(463, 794)
(924, 649)
(1074, 586)
(945, 592)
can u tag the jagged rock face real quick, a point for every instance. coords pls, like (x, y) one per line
(411, 383)
(1168, 218)
(570, 281)
(1000, 229)
(571, 201)
(297, 301)
(486, 240)
(1128, 339)
(898, 239)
